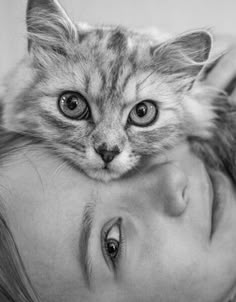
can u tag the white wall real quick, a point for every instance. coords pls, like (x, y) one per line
(169, 15)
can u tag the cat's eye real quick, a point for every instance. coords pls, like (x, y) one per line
(143, 114)
(74, 105)
(112, 242)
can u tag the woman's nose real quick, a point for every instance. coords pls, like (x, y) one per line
(174, 187)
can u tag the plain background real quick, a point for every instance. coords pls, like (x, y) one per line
(169, 15)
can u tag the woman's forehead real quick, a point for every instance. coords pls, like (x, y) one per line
(44, 202)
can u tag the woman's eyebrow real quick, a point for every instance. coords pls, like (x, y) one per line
(86, 227)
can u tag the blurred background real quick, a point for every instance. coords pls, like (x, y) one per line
(172, 16)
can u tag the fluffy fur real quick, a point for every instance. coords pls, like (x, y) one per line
(115, 68)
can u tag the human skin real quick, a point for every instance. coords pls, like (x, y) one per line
(168, 252)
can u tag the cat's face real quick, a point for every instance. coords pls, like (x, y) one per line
(104, 98)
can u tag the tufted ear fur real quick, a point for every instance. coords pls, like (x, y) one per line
(183, 57)
(49, 28)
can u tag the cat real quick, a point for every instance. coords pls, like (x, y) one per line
(107, 99)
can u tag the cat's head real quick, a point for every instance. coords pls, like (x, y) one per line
(104, 98)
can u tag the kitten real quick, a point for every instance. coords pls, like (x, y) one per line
(106, 99)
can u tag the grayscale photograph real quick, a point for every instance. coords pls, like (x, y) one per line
(117, 151)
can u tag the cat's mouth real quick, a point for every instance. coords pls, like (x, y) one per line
(111, 170)
(105, 173)
(106, 167)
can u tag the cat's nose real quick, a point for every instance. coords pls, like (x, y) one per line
(107, 154)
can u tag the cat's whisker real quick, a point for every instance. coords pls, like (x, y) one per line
(138, 170)
(59, 169)
(36, 170)
(146, 78)
(157, 84)
(21, 132)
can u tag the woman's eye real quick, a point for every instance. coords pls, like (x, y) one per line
(74, 105)
(112, 248)
(112, 242)
(143, 114)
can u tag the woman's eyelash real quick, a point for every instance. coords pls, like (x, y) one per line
(112, 242)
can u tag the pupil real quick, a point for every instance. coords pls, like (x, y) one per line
(141, 110)
(71, 103)
(112, 248)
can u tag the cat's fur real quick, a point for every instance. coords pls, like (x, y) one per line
(115, 68)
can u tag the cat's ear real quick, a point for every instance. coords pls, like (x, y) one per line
(185, 56)
(48, 26)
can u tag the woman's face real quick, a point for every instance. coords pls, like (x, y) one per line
(152, 237)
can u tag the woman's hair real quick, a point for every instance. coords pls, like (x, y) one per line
(15, 285)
